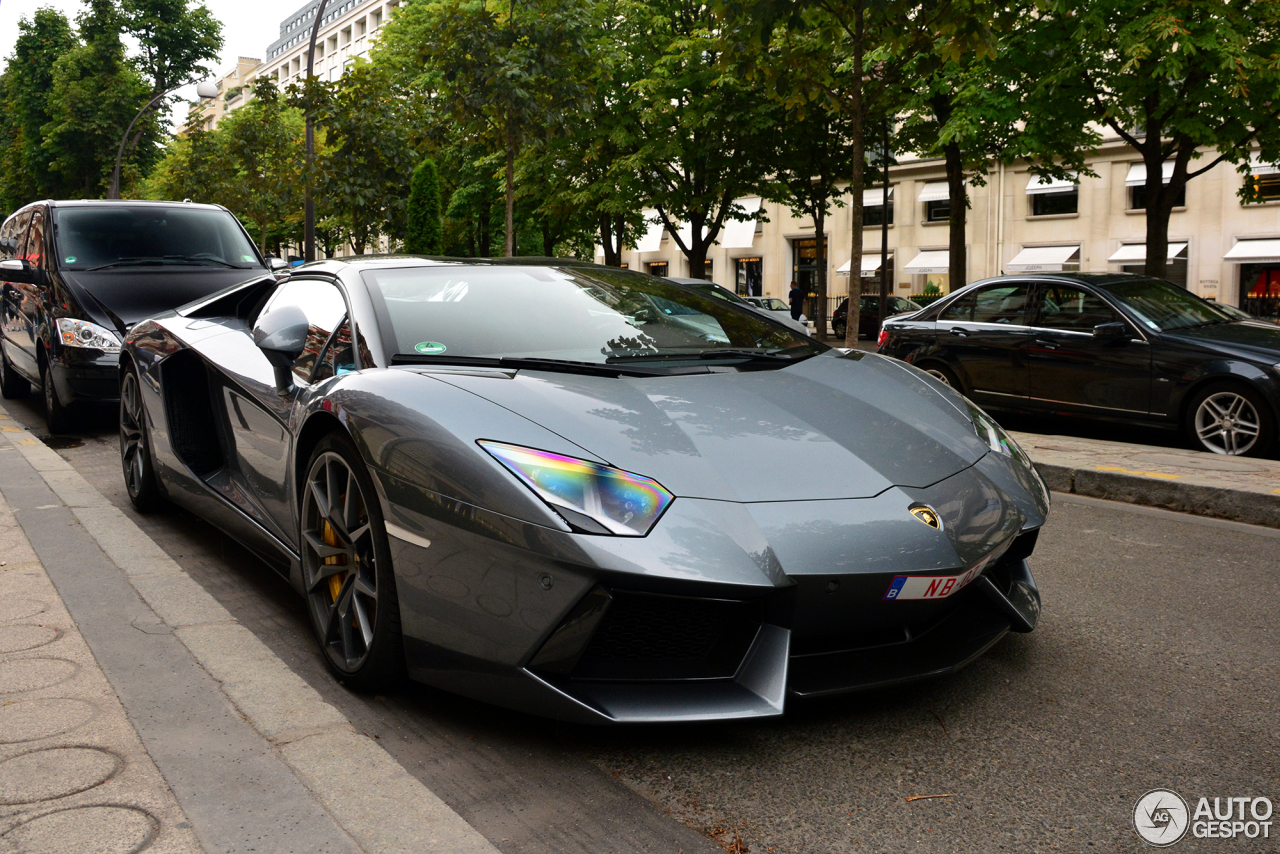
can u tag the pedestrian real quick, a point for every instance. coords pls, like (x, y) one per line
(796, 298)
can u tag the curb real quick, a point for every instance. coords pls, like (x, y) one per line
(1237, 505)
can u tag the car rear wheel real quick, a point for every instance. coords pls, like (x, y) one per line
(12, 384)
(942, 374)
(56, 416)
(1231, 420)
(346, 569)
(135, 447)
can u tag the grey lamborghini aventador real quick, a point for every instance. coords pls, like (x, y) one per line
(583, 492)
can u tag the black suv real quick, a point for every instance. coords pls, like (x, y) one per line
(1115, 346)
(77, 275)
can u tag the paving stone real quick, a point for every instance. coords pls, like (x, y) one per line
(23, 636)
(32, 720)
(56, 772)
(102, 830)
(30, 674)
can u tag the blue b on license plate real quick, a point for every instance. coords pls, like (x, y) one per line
(931, 586)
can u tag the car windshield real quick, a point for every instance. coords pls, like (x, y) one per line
(596, 315)
(774, 304)
(123, 235)
(1166, 307)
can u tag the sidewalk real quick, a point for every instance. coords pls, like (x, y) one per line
(135, 712)
(1242, 489)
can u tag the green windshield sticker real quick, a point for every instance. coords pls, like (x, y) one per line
(246, 258)
(430, 348)
(71, 259)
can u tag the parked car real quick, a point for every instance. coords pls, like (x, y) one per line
(771, 304)
(513, 480)
(868, 314)
(727, 295)
(77, 275)
(1115, 346)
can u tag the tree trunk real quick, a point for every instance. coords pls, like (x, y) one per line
(510, 249)
(697, 256)
(820, 232)
(612, 255)
(548, 239)
(957, 260)
(857, 182)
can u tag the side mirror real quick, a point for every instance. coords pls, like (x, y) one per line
(16, 270)
(274, 263)
(281, 335)
(1116, 331)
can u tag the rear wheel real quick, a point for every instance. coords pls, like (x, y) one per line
(56, 416)
(1230, 419)
(12, 384)
(346, 569)
(942, 374)
(135, 447)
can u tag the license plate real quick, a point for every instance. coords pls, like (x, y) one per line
(915, 587)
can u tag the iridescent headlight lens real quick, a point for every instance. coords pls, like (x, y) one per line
(993, 434)
(622, 503)
(86, 335)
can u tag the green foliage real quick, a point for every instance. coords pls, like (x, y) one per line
(175, 42)
(423, 233)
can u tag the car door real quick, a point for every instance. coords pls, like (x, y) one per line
(257, 416)
(1070, 368)
(16, 328)
(31, 298)
(984, 335)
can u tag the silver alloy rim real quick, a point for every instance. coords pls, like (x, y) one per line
(338, 561)
(938, 375)
(1227, 423)
(133, 439)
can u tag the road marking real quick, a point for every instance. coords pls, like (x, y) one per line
(1159, 474)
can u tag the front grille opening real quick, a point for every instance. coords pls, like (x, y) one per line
(646, 636)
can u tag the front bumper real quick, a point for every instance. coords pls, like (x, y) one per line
(86, 376)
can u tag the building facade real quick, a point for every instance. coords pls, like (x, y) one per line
(233, 90)
(1219, 247)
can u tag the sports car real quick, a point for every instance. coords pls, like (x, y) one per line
(527, 482)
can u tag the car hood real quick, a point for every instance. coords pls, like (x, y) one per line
(127, 295)
(1251, 339)
(834, 426)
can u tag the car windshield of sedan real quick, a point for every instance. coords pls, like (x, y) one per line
(570, 314)
(120, 236)
(1166, 307)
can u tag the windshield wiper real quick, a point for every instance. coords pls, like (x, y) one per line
(129, 262)
(161, 261)
(198, 259)
(566, 366)
(723, 353)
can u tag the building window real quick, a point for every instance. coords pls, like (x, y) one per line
(1267, 187)
(656, 268)
(1055, 204)
(750, 276)
(875, 215)
(1260, 290)
(939, 211)
(1138, 198)
(706, 270)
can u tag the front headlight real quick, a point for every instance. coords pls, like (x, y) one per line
(993, 434)
(86, 335)
(619, 502)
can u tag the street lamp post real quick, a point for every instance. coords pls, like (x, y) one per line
(309, 203)
(205, 89)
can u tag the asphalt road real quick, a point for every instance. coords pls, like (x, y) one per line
(1154, 665)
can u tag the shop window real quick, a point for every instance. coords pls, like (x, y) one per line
(939, 211)
(749, 277)
(875, 215)
(1260, 290)
(656, 268)
(707, 267)
(1138, 198)
(1055, 204)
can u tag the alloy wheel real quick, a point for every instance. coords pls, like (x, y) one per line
(339, 563)
(133, 438)
(938, 375)
(1227, 423)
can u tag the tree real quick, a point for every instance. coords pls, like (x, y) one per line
(504, 73)
(1170, 77)
(423, 217)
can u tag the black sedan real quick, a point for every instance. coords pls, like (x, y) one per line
(521, 483)
(868, 314)
(1118, 347)
(77, 275)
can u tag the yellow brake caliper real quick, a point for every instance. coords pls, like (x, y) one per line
(330, 538)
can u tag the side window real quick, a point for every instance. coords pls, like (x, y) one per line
(1073, 309)
(961, 309)
(1004, 304)
(324, 307)
(6, 231)
(339, 357)
(19, 233)
(35, 242)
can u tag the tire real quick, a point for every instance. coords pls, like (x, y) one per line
(12, 384)
(135, 447)
(355, 615)
(56, 416)
(942, 374)
(1230, 419)
(837, 329)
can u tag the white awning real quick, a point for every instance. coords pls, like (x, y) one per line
(1257, 167)
(1254, 252)
(1052, 185)
(651, 240)
(929, 261)
(870, 264)
(934, 191)
(1138, 173)
(1036, 259)
(739, 235)
(1135, 253)
(874, 198)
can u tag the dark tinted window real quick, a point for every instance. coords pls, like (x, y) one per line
(92, 236)
(35, 249)
(339, 357)
(875, 215)
(1166, 307)
(938, 211)
(1006, 304)
(1063, 307)
(1053, 204)
(1138, 198)
(961, 309)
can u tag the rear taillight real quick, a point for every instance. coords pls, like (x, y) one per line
(884, 336)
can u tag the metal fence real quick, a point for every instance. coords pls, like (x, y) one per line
(834, 301)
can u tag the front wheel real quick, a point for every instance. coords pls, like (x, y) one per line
(135, 447)
(56, 416)
(1232, 420)
(346, 569)
(12, 384)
